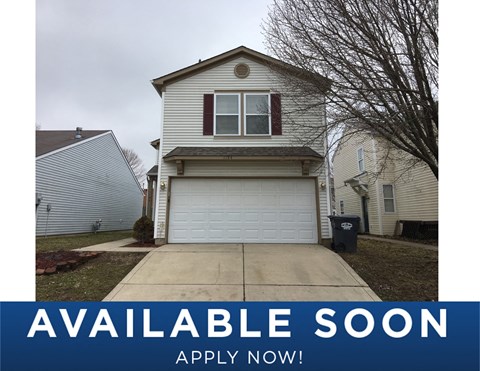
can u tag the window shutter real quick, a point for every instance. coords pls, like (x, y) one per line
(208, 114)
(276, 107)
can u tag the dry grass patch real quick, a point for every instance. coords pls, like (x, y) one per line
(396, 272)
(90, 282)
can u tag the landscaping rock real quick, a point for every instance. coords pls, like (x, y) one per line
(50, 270)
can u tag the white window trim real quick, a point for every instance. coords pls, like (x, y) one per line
(363, 159)
(245, 115)
(393, 198)
(215, 114)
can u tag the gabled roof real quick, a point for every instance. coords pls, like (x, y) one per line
(161, 82)
(51, 140)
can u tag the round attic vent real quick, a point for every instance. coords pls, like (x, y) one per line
(242, 70)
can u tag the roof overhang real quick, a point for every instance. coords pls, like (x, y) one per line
(243, 153)
(155, 143)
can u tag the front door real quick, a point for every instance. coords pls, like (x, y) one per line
(365, 214)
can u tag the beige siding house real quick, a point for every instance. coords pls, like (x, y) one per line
(230, 168)
(383, 188)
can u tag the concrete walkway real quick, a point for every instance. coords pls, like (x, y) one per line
(399, 242)
(116, 246)
(242, 272)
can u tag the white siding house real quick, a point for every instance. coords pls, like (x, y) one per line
(81, 180)
(229, 171)
(384, 190)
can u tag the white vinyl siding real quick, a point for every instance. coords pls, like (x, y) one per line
(183, 127)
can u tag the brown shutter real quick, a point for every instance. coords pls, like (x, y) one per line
(208, 114)
(276, 114)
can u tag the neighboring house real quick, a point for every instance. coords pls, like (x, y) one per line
(230, 168)
(83, 178)
(384, 188)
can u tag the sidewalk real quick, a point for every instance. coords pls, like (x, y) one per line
(116, 246)
(399, 242)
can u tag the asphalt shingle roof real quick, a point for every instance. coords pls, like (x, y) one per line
(51, 140)
(229, 152)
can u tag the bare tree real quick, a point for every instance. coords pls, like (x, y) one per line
(135, 163)
(381, 57)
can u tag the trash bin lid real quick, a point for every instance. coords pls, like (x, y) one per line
(343, 216)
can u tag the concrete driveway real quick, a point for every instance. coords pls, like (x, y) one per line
(242, 272)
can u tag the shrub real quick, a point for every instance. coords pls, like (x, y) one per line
(143, 229)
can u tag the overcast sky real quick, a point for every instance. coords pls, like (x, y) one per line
(95, 58)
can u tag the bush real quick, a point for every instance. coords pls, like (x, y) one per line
(143, 230)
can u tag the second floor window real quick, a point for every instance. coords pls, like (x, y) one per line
(242, 114)
(227, 114)
(361, 160)
(257, 118)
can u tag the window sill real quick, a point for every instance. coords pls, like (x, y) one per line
(242, 136)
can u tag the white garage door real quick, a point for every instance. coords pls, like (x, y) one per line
(243, 210)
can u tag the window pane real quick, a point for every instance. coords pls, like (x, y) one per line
(257, 125)
(257, 104)
(388, 191)
(360, 165)
(360, 153)
(227, 125)
(389, 207)
(227, 104)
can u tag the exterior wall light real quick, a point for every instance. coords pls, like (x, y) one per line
(162, 186)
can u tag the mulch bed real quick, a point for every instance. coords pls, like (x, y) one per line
(400, 238)
(57, 261)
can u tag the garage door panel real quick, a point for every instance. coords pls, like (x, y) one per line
(243, 210)
(269, 217)
(305, 217)
(251, 217)
(304, 200)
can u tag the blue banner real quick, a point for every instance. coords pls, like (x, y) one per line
(256, 336)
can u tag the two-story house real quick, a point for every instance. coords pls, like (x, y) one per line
(231, 169)
(385, 187)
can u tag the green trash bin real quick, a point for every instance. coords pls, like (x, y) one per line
(345, 230)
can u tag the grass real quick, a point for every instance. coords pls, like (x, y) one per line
(91, 281)
(396, 272)
(69, 242)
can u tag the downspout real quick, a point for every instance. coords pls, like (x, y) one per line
(377, 188)
(159, 172)
(327, 157)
